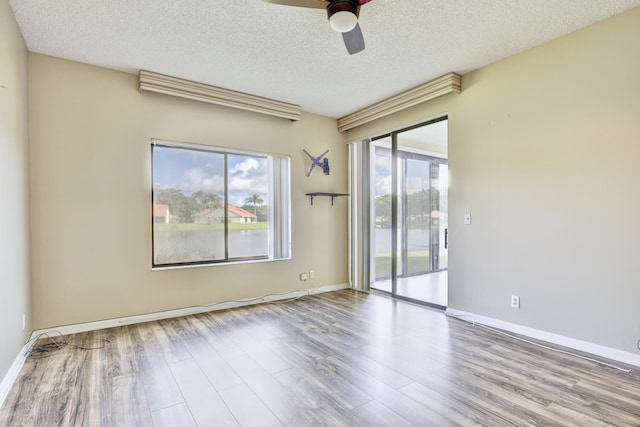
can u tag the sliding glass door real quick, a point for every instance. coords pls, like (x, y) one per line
(409, 213)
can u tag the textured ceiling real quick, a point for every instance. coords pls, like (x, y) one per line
(291, 54)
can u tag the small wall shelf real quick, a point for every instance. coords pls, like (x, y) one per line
(332, 195)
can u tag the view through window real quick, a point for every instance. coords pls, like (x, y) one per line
(214, 204)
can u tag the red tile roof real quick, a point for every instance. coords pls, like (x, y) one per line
(160, 210)
(204, 212)
(233, 209)
(240, 212)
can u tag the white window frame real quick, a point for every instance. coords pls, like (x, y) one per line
(279, 203)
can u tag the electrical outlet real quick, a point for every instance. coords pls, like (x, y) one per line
(515, 301)
(303, 277)
(24, 321)
(312, 274)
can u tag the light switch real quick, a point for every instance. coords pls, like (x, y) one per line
(467, 218)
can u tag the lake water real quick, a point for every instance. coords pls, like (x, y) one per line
(174, 246)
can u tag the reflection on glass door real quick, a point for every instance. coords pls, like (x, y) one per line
(382, 235)
(415, 194)
(440, 183)
(412, 235)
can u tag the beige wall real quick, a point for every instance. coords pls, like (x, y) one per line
(544, 152)
(14, 188)
(90, 156)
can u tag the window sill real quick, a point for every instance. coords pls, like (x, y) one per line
(216, 264)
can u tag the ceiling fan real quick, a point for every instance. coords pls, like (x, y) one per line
(343, 18)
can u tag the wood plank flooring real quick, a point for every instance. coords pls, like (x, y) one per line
(337, 359)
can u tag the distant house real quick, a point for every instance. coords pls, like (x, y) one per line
(216, 215)
(161, 214)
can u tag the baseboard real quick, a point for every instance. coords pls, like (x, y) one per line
(585, 346)
(12, 375)
(129, 320)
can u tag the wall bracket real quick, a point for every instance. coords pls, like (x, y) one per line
(332, 195)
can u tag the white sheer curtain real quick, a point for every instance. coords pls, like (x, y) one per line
(280, 208)
(359, 215)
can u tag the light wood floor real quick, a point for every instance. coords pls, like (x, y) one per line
(343, 358)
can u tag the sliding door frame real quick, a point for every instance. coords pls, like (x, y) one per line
(395, 207)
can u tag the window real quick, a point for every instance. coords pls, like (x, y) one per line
(217, 205)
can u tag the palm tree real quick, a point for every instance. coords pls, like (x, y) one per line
(255, 200)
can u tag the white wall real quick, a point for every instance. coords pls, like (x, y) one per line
(543, 152)
(14, 190)
(91, 197)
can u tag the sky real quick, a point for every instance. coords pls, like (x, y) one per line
(432, 134)
(190, 171)
(417, 174)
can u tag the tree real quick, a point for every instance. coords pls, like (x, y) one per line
(203, 200)
(419, 207)
(254, 200)
(180, 206)
(383, 210)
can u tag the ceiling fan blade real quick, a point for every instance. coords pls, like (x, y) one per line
(314, 4)
(354, 40)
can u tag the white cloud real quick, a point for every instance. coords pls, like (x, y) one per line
(201, 179)
(383, 185)
(383, 162)
(245, 179)
(417, 183)
(245, 167)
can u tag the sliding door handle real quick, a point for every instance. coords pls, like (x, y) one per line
(446, 238)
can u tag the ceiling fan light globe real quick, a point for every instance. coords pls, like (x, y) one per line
(343, 21)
